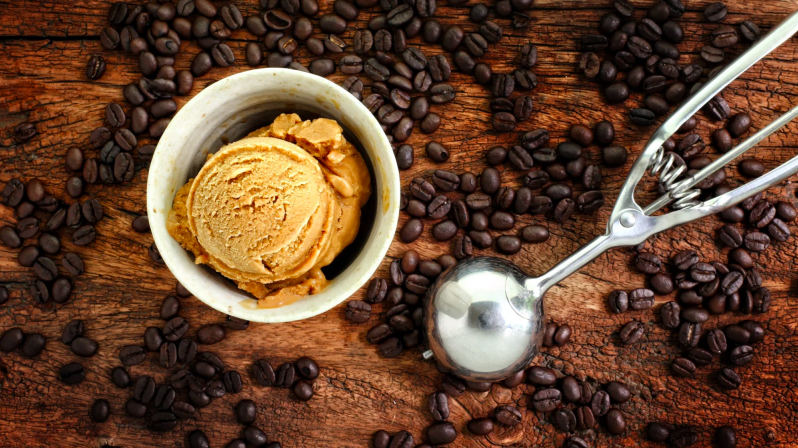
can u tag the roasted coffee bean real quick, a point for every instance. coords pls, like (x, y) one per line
(264, 373)
(452, 38)
(618, 301)
(730, 236)
(647, 263)
(396, 274)
(439, 406)
(641, 299)
(756, 241)
(632, 332)
(437, 152)
(144, 389)
(739, 124)
(135, 409)
(84, 347)
(778, 230)
(695, 315)
(584, 417)
(186, 351)
(750, 31)
(683, 367)
(760, 216)
(662, 283)
(11, 339)
(13, 192)
(444, 230)
(25, 131)
(751, 168)
(541, 376)
(724, 36)
(508, 415)
(689, 297)
(175, 329)
(95, 68)
(163, 421)
(689, 333)
(28, 255)
(210, 334)
(45, 269)
(26, 228)
(131, 355)
(618, 392)
(741, 355)
(10, 237)
(702, 272)
(786, 211)
(114, 115)
(72, 373)
(728, 378)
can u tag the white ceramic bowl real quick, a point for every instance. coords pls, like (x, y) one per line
(226, 111)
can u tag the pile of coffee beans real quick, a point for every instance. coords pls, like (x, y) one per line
(404, 82)
(705, 289)
(573, 406)
(42, 222)
(30, 345)
(711, 288)
(495, 206)
(684, 436)
(403, 293)
(646, 49)
(297, 376)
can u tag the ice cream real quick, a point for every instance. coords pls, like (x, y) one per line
(270, 210)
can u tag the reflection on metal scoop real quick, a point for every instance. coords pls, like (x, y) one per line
(484, 317)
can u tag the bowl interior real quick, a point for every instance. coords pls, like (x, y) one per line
(227, 111)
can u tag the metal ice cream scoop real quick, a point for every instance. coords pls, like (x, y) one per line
(484, 317)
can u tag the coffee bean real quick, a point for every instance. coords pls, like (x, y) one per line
(10, 237)
(541, 376)
(164, 398)
(750, 31)
(40, 292)
(186, 350)
(632, 332)
(760, 216)
(100, 411)
(135, 409)
(83, 347)
(210, 334)
(376, 290)
(508, 415)
(175, 329)
(95, 67)
(695, 315)
(739, 356)
(11, 339)
(683, 367)
(647, 263)
(689, 333)
(411, 230)
(724, 36)
(751, 168)
(72, 373)
(439, 406)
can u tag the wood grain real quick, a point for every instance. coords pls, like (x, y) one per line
(44, 46)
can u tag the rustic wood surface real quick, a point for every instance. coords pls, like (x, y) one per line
(44, 46)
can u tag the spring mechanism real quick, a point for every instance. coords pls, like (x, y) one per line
(665, 166)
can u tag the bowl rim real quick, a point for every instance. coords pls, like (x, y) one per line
(384, 168)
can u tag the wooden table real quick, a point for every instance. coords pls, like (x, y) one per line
(44, 47)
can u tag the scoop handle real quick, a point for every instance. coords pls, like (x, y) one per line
(572, 263)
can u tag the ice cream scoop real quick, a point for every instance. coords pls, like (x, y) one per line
(484, 317)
